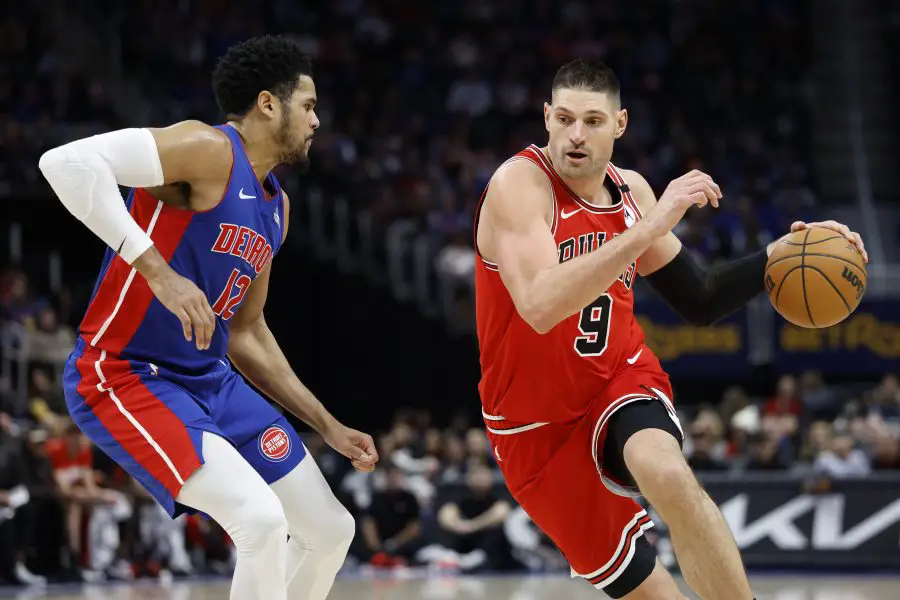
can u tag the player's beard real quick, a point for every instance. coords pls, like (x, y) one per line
(294, 149)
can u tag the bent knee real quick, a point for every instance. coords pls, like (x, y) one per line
(260, 521)
(655, 460)
(345, 528)
(338, 535)
(332, 532)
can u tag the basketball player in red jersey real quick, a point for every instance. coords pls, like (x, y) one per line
(578, 410)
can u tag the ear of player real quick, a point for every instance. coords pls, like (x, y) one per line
(816, 277)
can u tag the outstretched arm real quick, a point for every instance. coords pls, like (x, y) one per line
(255, 352)
(703, 296)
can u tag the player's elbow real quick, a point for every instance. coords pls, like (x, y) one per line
(538, 318)
(52, 161)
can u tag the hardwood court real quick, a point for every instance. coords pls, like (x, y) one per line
(814, 587)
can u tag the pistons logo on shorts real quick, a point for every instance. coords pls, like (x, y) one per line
(275, 444)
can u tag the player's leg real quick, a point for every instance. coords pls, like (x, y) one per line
(231, 492)
(644, 437)
(320, 528)
(600, 534)
(321, 531)
(158, 434)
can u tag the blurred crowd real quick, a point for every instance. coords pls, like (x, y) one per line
(420, 103)
(437, 500)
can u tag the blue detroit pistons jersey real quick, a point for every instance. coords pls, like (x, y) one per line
(222, 250)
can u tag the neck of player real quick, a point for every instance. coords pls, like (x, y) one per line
(591, 189)
(258, 146)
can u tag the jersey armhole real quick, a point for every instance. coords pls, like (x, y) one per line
(625, 190)
(555, 206)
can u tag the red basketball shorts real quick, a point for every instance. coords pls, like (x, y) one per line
(555, 472)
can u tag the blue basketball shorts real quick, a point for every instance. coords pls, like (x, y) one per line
(150, 420)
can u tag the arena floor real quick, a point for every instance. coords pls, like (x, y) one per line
(782, 587)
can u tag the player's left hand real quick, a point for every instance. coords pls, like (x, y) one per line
(359, 447)
(853, 237)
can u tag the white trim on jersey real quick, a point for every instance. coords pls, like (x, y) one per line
(627, 545)
(131, 419)
(121, 300)
(488, 417)
(590, 207)
(515, 430)
(511, 430)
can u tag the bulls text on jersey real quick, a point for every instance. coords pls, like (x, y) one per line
(588, 242)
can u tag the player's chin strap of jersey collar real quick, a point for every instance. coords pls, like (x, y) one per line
(703, 296)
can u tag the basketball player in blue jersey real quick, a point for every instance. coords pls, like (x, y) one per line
(178, 306)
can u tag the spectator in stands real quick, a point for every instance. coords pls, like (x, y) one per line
(391, 525)
(819, 401)
(15, 518)
(785, 401)
(733, 400)
(885, 399)
(49, 342)
(46, 403)
(885, 451)
(765, 452)
(473, 523)
(453, 464)
(705, 448)
(73, 470)
(16, 303)
(781, 415)
(478, 449)
(410, 455)
(818, 440)
(738, 415)
(841, 460)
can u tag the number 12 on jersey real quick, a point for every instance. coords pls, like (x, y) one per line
(224, 306)
(594, 326)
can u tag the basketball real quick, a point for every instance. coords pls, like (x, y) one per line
(815, 278)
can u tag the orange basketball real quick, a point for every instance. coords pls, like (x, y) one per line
(815, 278)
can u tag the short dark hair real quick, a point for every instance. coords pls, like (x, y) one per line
(585, 74)
(267, 62)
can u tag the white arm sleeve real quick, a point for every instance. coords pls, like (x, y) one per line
(85, 174)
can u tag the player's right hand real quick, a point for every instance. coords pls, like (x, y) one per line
(185, 300)
(691, 189)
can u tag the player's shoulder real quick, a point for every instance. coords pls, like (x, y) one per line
(203, 133)
(518, 191)
(196, 136)
(516, 175)
(193, 150)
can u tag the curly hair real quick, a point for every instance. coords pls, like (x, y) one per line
(267, 62)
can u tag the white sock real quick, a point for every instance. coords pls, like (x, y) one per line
(228, 489)
(321, 531)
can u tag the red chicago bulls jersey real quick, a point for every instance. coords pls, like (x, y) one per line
(532, 379)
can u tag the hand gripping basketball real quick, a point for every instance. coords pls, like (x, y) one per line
(816, 275)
